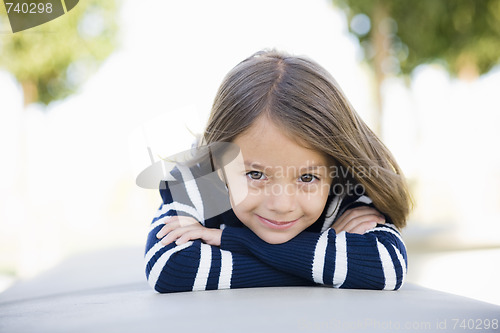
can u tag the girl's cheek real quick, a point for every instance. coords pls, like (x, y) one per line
(314, 201)
(315, 190)
(247, 203)
(238, 190)
(255, 187)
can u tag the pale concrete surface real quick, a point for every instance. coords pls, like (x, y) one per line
(107, 292)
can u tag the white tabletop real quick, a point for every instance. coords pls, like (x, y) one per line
(107, 292)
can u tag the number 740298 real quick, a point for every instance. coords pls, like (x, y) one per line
(29, 8)
(475, 324)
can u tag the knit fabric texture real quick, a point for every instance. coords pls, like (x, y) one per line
(376, 259)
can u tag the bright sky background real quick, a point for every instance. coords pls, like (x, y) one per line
(82, 154)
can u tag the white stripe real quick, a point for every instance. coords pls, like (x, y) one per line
(178, 207)
(389, 230)
(387, 267)
(152, 251)
(159, 222)
(319, 258)
(226, 269)
(391, 227)
(155, 272)
(364, 199)
(163, 209)
(332, 212)
(200, 282)
(402, 263)
(340, 272)
(193, 192)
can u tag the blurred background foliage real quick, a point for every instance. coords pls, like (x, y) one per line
(66, 157)
(398, 36)
(462, 35)
(51, 69)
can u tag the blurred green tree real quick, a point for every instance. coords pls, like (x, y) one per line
(52, 60)
(397, 36)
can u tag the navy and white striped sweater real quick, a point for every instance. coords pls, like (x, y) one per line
(374, 260)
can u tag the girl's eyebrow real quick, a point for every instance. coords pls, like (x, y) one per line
(254, 165)
(318, 167)
(301, 169)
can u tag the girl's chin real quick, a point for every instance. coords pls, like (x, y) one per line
(274, 238)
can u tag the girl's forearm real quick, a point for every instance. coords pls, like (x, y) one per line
(198, 266)
(374, 260)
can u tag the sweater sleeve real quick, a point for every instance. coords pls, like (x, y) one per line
(196, 265)
(199, 266)
(374, 260)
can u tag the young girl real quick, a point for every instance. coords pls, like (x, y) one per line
(313, 199)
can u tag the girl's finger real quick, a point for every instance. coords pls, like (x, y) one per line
(171, 236)
(174, 223)
(166, 229)
(163, 231)
(169, 223)
(355, 222)
(177, 233)
(363, 227)
(353, 215)
(190, 235)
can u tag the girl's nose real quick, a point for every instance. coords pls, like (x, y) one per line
(281, 199)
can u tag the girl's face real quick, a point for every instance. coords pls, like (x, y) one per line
(285, 185)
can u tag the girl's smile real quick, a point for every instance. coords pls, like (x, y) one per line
(277, 224)
(286, 184)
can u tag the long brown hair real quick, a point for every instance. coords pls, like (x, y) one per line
(303, 99)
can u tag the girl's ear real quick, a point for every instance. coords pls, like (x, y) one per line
(222, 176)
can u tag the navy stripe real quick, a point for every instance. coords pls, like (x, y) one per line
(213, 276)
(169, 212)
(179, 274)
(364, 268)
(329, 264)
(155, 257)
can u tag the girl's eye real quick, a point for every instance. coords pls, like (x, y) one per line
(255, 175)
(307, 178)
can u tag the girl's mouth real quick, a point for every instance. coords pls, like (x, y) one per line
(277, 224)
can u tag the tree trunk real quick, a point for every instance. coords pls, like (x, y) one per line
(467, 67)
(30, 92)
(381, 46)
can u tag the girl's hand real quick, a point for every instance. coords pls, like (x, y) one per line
(358, 220)
(182, 229)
